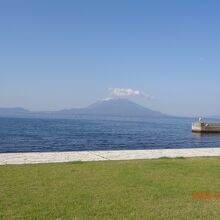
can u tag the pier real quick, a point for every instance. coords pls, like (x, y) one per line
(205, 127)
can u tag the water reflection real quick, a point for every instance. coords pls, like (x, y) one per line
(198, 135)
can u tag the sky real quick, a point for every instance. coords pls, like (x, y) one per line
(57, 54)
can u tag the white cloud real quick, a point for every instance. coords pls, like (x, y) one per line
(123, 92)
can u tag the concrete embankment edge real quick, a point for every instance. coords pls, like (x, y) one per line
(56, 157)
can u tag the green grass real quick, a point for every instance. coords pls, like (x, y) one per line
(138, 189)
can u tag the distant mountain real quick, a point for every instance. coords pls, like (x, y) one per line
(215, 116)
(7, 112)
(121, 107)
(111, 107)
(114, 107)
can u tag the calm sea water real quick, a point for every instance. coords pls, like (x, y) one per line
(28, 135)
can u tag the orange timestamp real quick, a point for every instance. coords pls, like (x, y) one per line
(205, 195)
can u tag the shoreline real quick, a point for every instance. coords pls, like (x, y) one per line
(73, 156)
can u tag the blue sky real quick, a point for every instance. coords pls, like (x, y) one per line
(63, 54)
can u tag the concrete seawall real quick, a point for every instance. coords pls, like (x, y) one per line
(55, 157)
(206, 127)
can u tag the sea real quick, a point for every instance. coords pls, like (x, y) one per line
(100, 133)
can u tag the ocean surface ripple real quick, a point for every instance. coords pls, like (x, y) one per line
(103, 133)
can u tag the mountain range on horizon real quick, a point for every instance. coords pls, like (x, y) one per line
(106, 107)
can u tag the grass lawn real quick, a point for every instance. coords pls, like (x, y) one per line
(136, 189)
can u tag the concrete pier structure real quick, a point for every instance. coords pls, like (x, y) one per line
(205, 127)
